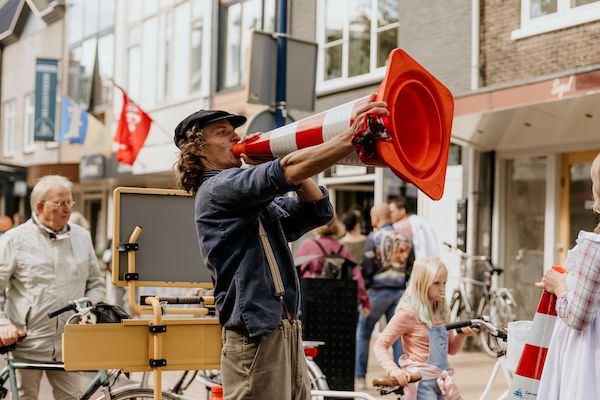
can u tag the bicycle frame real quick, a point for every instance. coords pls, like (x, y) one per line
(8, 373)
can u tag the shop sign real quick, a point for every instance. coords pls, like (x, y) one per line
(91, 167)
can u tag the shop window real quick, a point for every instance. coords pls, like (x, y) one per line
(355, 38)
(239, 19)
(540, 16)
(524, 217)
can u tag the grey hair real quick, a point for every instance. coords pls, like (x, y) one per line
(44, 184)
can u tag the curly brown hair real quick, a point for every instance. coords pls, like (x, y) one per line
(189, 166)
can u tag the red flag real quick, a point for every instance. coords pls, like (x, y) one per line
(132, 130)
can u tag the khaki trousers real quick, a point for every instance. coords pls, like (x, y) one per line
(268, 367)
(65, 385)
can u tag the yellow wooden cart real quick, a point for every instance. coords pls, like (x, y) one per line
(156, 344)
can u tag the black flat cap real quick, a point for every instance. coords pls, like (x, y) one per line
(201, 118)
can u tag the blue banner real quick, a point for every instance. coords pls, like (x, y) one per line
(46, 72)
(74, 123)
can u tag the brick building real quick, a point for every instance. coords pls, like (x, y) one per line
(536, 112)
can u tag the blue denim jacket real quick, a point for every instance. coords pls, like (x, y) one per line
(228, 204)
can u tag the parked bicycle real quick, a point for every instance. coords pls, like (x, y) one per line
(496, 334)
(103, 380)
(497, 303)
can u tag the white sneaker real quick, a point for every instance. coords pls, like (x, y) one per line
(360, 384)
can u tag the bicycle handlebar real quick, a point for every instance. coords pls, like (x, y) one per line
(391, 382)
(7, 348)
(68, 307)
(488, 260)
(459, 324)
(75, 305)
(494, 331)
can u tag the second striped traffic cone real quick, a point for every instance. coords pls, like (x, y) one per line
(531, 364)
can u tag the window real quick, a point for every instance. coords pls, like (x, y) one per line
(355, 38)
(539, 16)
(28, 124)
(134, 63)
(90, 37)
(8, 137)
(240, 19)
(165, 35)
(196, 56)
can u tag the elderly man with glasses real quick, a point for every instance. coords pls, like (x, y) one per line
(45, 263)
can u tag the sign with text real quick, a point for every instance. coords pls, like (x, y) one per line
(46, 72)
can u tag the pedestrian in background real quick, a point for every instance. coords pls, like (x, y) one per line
(420, 321)
(386, 266)
(45, 263)
(572, 368)
(354, 238)
(415, 228)
(244, 224)
(326, 243)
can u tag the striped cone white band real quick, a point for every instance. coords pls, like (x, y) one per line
(541, 330)
(283, 140)
(523, 388)
(337, 120)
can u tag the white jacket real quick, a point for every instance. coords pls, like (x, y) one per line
(41, 274)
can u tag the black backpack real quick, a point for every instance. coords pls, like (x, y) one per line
(109, 314)
(335, 266)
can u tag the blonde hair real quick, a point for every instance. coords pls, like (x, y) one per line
(425, 272)
(595, 175)
(332, 228)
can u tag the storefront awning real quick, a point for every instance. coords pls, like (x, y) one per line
(553, 112)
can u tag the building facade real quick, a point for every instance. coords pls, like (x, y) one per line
(537, 111)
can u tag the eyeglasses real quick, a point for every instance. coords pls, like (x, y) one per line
(60, 204)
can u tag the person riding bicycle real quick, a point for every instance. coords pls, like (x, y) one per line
(420, 321)
(244, 223)
(45, 263)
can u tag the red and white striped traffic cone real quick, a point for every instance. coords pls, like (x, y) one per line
(413, 140)
(531, 364)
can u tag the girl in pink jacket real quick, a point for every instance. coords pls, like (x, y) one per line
(420, 320)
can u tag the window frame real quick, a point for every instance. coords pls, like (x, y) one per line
(29, 123)
(9, 120)
(99, 33)
(345, 82)
(223, 40)
(565, 17)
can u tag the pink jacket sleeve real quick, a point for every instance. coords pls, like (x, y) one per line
(401, 323)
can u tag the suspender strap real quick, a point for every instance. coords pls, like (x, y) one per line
(275, 274)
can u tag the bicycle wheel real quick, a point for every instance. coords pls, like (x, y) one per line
(133, 394)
